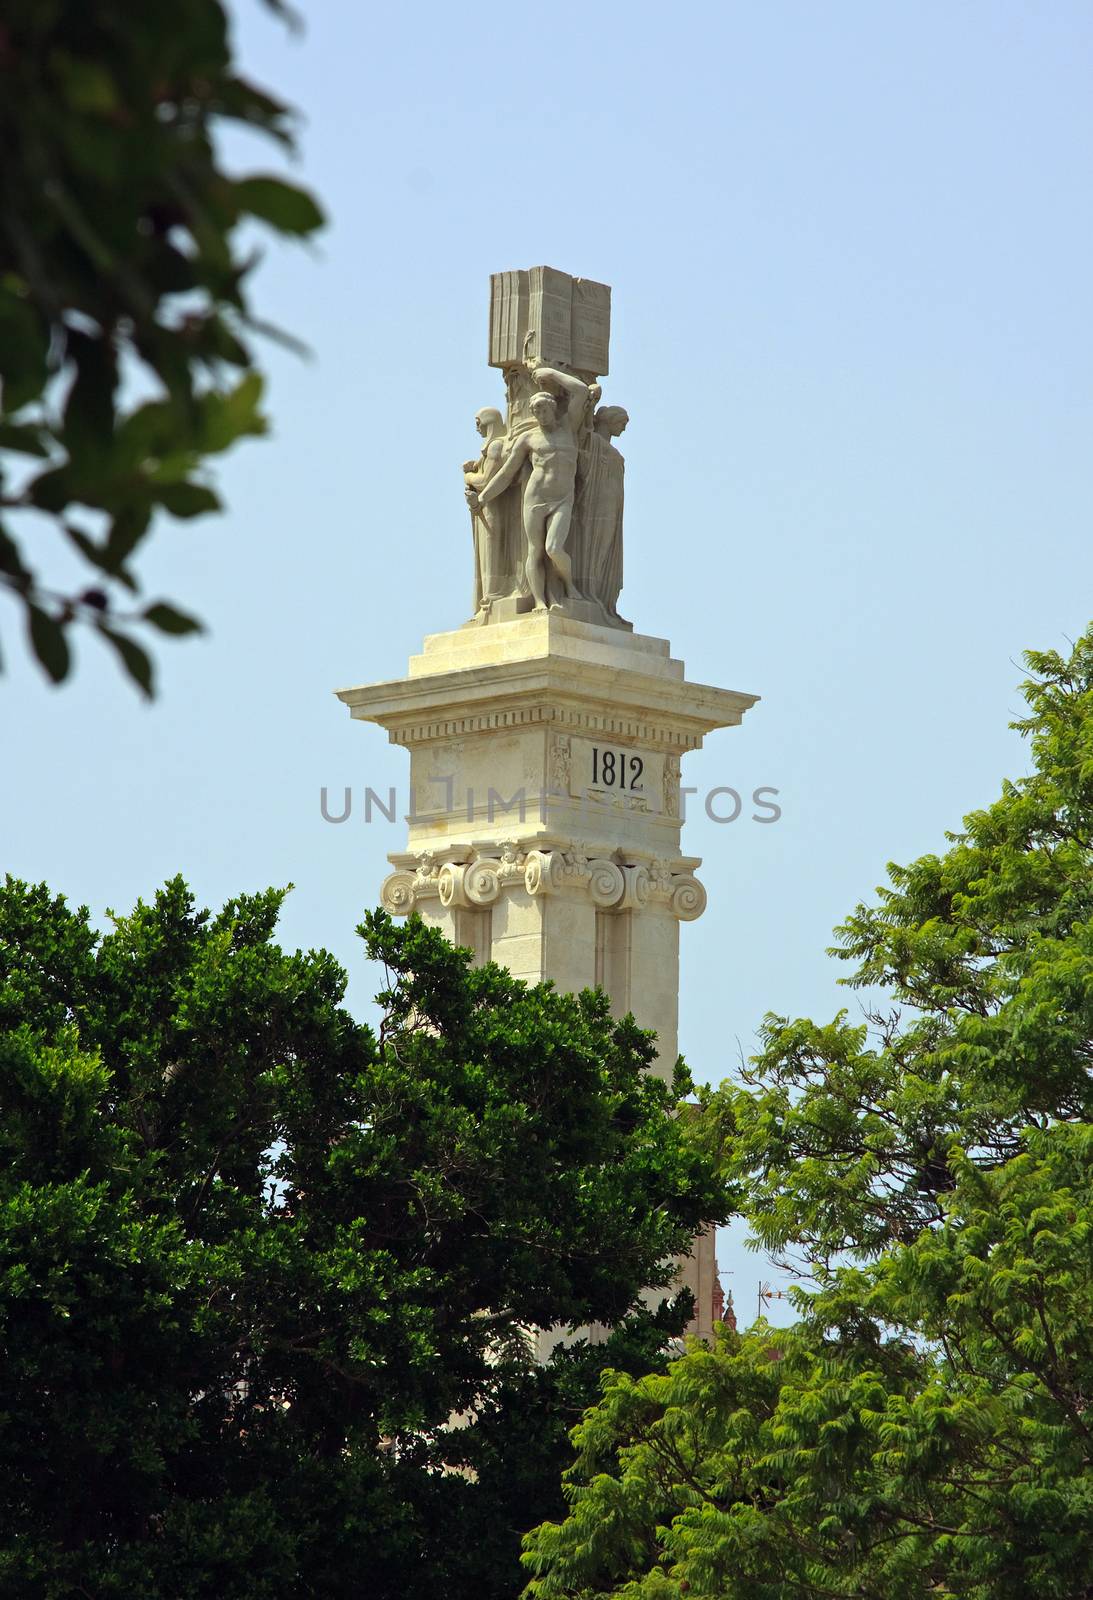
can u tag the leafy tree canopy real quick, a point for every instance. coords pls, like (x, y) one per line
(125, 356)
(925, 1429)
(254, 1258)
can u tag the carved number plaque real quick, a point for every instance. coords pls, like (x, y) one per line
(634, 778)
(613, 769)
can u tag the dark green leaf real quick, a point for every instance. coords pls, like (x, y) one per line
(126, 532)
(134, 659)
(253, 106)
(222, 344)
(24, 351)
(228, 417)
(287, 341)
(287, 14)
(84, 543)
(53, 490)
(48, 642)
(11, 562)
(186, 499)
(170, 271)
(169, 620)
(89, 412)
(156, 429)
(29, 440)
(281, 204)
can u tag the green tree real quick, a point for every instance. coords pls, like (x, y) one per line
(125, 325)
(254, 1257)
(925, 1429)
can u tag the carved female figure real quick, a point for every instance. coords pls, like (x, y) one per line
(493, 575)
(602, 509)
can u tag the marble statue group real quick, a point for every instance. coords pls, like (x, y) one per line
(546, 492)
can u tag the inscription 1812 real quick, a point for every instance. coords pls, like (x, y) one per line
(616, 769)
(618, 774)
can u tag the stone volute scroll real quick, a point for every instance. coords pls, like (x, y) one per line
(546, 492)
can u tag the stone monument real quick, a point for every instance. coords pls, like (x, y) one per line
(545, 735)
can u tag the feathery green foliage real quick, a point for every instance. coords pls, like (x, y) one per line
(925, 1430)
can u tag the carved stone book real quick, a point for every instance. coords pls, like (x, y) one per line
(551, 316)
(591, 325)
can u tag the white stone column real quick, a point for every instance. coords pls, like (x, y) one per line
(544, 830)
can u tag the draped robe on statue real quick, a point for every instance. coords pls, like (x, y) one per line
(506, 569)
(598, 546)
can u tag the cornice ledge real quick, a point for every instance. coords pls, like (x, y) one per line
(416, 710)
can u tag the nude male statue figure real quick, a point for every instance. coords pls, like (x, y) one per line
(551, 446)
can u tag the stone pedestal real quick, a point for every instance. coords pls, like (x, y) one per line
(544, 822)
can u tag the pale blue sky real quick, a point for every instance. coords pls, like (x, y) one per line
(850, 248)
